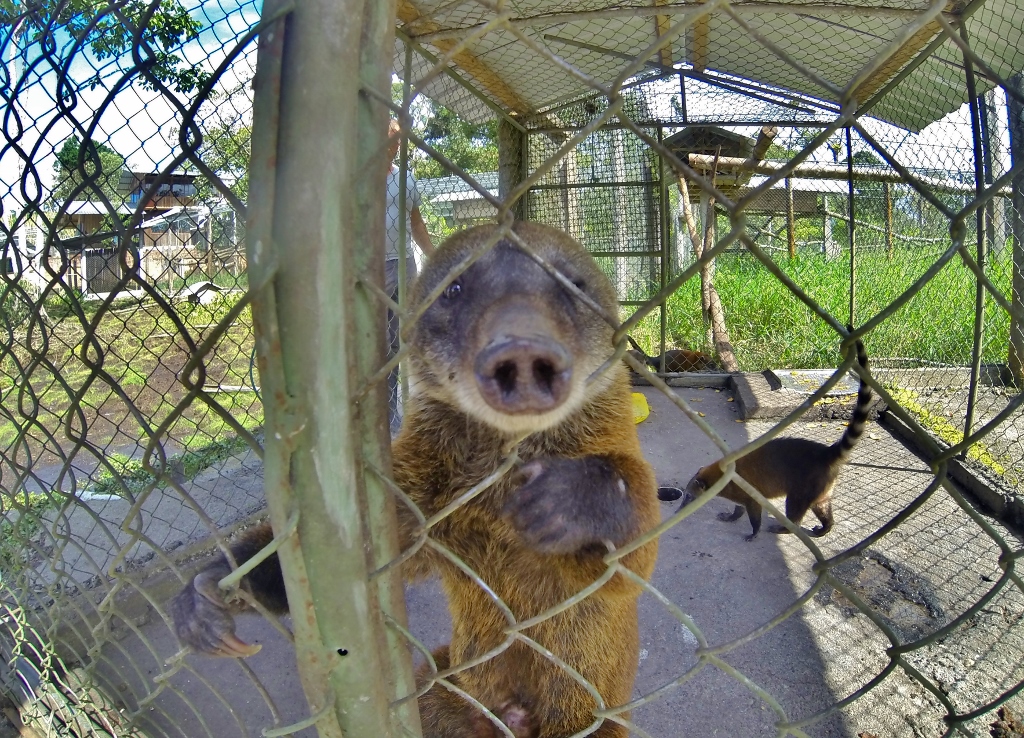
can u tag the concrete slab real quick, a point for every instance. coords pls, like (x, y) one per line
(931, 568)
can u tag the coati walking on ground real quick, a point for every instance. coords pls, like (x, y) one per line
(801, 470)
(507, 351)
(676, 360)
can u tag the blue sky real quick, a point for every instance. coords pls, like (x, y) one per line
(139, 123)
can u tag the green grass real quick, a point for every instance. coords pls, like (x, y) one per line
(145, 365)
(771, 328)
(943, 429)
(129, 474)
(22, 519)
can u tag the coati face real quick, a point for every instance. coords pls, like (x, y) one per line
(507, 344)
(703, 479)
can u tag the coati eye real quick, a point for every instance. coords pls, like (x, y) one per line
(453, 290)
(581, 284)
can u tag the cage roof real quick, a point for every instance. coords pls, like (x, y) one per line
(921, 81)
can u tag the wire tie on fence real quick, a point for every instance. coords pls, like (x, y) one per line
(232, 579)
(302, 724)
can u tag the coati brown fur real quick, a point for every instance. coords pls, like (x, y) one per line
(798, 469)
(506, 351)
(676, 360)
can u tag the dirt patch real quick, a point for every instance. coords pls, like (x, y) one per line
(905, 600)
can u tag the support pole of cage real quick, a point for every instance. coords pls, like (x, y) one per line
(403, 235)
(314, 236)
(992, 243)
(664, 209)
(979, 188)
(887, 190)
(790, 219)
(853, 232)
(1015, 118)
(511, 150)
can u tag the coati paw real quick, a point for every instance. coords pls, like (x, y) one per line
(563, 505)
(750, 538)
(515, 717)
(203, 621)
(517, 720)
(779, 529)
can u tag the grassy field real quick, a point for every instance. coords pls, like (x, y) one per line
(116, 379)
(771, 327)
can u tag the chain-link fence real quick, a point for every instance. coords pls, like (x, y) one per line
(186, 240)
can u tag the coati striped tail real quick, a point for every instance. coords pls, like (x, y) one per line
(860, 413)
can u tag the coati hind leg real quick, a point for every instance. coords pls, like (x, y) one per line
(797, 506)
(822, 508)
(444, 714)
(797, 503)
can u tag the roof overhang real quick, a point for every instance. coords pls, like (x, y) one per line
(891, 53)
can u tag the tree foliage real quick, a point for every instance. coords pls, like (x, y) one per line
(226, 150)
(109, 30)
(471, 146)
(92, 164)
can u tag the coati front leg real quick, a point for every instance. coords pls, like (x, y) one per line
(733, 516)
(564, 505)
(205, 622)
(202, 618)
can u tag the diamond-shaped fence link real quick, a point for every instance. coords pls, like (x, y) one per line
(186, 240)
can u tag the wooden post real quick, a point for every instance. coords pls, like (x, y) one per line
(790, 219)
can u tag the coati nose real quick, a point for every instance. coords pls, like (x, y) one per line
(524, 375)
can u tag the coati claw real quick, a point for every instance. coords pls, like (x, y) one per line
(203, 621)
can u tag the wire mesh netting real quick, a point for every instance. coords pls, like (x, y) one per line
(750, 179)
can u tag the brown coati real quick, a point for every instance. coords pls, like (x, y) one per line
(676, 360)
(798, 469)
(507, 352)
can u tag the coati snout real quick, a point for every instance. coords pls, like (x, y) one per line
(506, 342)
(524, 374)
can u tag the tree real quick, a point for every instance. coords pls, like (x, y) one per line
(110, 35)
(226, 149)
(471, 146)
(92, 164)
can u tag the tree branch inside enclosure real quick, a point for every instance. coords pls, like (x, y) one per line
(711, 304)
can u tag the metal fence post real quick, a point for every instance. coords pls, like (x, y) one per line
(315, 230)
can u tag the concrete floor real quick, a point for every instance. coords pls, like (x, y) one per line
(931, 568)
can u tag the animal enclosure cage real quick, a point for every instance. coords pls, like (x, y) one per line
(185, 303)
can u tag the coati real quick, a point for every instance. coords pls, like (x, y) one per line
(505, 352)
(676, 360)
(798, 469)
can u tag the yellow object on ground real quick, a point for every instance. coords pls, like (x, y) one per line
(640, 408)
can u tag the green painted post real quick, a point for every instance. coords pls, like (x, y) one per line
(315, 230)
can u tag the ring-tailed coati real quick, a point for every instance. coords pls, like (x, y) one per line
(676, 360)
(801, 470)
(507, 351)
